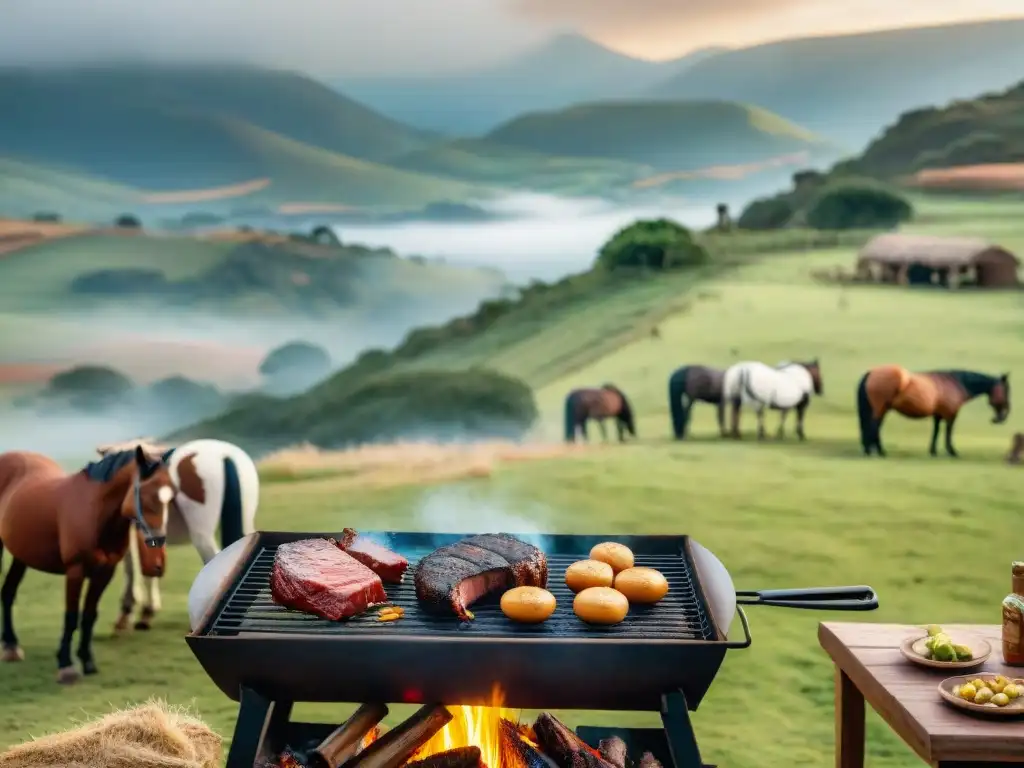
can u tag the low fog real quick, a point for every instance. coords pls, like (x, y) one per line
(549, 237)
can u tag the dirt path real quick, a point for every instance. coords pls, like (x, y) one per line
(723, 172)
(993, 176)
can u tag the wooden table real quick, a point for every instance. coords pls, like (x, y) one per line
(870, 667)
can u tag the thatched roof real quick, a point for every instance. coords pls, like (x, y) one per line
(933, 251)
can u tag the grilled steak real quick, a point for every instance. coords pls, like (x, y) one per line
(529, 566)
(452, 578)
(390, 566)
(317, 577)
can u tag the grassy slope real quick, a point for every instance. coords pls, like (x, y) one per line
(667, 135)
(26, 189)
(848, 87)
(777, 514)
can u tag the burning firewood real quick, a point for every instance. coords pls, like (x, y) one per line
(348, 738)
(613, 750)
(647, 760)
(517, 751)
(400, 743)
(565, 747)
(460, 757)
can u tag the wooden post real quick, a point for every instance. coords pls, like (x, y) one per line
(850, 723)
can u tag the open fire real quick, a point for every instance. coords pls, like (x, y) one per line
(437, 736)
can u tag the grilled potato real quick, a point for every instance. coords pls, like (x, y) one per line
(618, 556)
(588, 573)
(528, 605)
(642, 585)
(601, 605)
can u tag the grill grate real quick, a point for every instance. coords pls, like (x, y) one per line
(249, 608)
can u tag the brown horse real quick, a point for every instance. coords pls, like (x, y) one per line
(604, 403)
(939, 394)
(78, 525)
(689, 384)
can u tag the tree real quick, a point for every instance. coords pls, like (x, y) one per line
(766, 213)
(856, 206)
(295, 357)
(128, 221)
(653, 244)
(90, 379)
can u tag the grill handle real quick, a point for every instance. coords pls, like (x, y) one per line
(817, 598)
(745, 642)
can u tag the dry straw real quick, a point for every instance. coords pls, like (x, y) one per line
(153, 735)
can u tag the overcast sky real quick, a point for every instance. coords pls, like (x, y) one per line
(358, 37)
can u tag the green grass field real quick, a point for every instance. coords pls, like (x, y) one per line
(934, 536)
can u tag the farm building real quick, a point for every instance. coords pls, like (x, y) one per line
(948, 261)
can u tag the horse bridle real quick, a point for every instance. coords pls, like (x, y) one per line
(152, 540)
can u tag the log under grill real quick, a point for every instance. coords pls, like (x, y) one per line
(660, 658)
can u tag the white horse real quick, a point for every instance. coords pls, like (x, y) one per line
(782, 388)
(217, 487)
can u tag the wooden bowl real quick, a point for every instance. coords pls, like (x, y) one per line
(913, 649)
(1014, 709)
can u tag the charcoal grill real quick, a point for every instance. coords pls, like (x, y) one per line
(661, 658)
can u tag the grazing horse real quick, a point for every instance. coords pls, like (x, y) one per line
(782, 388)
(606, 402)
(939, 394)
(218, 487)
(689, 384)
(78, 525)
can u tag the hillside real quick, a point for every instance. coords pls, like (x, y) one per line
(670, 136)
(484, 161)
(848, 87)
(473, 103)
(985, 130)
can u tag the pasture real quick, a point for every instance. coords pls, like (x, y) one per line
(934, 536)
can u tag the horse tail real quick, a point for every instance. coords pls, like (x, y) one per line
(231, 526)
(570, 417)
(676, 390)
(864, 413)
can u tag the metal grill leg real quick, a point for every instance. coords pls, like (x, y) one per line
(260, 720)
(682, 741)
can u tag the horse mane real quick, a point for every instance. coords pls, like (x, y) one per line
(148, 445)
(973, 382)
(104, 470)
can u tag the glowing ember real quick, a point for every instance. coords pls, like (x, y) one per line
(474, 727)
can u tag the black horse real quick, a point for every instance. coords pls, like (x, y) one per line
(689, 384)
(607, 402)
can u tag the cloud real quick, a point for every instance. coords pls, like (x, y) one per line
(324, 37)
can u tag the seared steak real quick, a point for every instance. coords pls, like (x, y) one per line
(390, 566)
(452, 578)
(529, 565)
(317, 577)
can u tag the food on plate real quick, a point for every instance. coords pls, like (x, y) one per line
(618, 556)
(528, 605)
(452, 578)
(601, 605)
(315, 576)
(997, 691)
(390, 566)
(939, 646)
(588, 573)
(642, 585)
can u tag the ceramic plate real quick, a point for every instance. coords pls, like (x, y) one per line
(914, 649)
(1014, 708)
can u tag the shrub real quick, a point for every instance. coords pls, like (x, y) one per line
(296, 356)
(128, 221)
(652, 244)
(46, 216)
(767, 213)
(439, 404)
(858, 206)
(89, 387)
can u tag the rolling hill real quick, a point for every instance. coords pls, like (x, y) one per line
(848, 87)
(565, 70)
(668, 136)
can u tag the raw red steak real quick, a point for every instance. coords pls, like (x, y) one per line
(315, 576)
(390, 566)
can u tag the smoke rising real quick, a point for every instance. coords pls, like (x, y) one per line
(457, 509)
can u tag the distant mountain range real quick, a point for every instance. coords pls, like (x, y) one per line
(566, 70)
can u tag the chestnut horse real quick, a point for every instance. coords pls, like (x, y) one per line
(939, 394)
(607, 402)
(78, 525)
